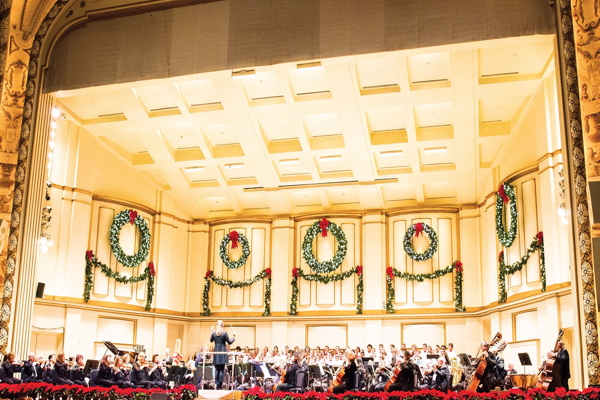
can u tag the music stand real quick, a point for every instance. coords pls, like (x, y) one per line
(464, 359)
(90, 365)
(525, 360)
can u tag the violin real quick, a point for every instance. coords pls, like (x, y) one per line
(478, 374)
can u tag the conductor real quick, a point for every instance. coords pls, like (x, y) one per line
(221, 338)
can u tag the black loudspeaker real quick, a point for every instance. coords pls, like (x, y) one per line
(39, 293)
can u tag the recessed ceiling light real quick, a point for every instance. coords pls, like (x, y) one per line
(313, 64)
(390, 153)
(436, 150)
(289, 161)
(197, 168)
(232, 166)
(242, 72)
(331, 158)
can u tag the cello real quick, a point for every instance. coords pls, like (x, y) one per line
(479, 371)
(393, 377)
(339, 376)
(550, 370)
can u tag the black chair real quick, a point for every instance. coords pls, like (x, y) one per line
(180, 378)
(301, 382)
(93, 377)
(172, 375)
(358, 381)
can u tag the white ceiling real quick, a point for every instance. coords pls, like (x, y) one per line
(367, 132)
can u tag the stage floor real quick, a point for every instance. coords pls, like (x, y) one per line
(220, 394)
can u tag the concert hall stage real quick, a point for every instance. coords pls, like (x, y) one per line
(220, 394)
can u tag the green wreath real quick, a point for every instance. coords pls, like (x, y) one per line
(307, 246)
(506, 238)
(431, 235)
(234, 237)
(121, 219)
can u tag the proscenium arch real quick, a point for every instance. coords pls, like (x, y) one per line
(31, 163)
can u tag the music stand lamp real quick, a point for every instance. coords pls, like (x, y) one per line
(525, 360)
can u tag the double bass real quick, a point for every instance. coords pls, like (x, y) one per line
(550, 370)
(478, 373)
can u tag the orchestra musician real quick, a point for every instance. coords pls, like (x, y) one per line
(221, 339)
(139, 373)
(405, 380)
(562, 358)
(77, 374)
(10, 367)
(61, 371)
(119, 377)
(30, 372)
(48, 369)
(348, 378)
(289, 381)
(105, 372)
(488, 380)
(436, 378)
(157, 373)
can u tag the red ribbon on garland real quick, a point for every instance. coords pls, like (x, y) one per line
(458, 266)
(501, 256)
(208, 273)
(268, 272)
(323, 224)
(419, 229)
(390, 272)
(502, 193)
(132, 216)
(89, 254)
(151, 268)
(540, 238)
(359, 270)
(233, 236)
(295, 272)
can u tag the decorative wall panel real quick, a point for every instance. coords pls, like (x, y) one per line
(257, 260)
(327, 335)
(235, 297)
(348, 286)
(445, 257)
(418, 334)
(422, 291)
(103, 251)
(399, 259)
(530, 228)
(218, 267)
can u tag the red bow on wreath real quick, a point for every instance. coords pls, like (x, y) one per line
(208, 273)
(132, 216)
(151, 268)
(89, 255)
(233, 236)
(268, 273)
(458, 266)
(390, 272)
(295, 272)
(502, 193)
(419, 229)
(359, 270)
(540, 238)
(501, 256)
(323, 224)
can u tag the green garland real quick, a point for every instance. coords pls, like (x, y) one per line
(328, 266)
(92, 262)
(504, 270)
(121, 219)
(264, 274)
(506, 238)
(298, 273)
(431, 235)
(245, 250)
(392, 273)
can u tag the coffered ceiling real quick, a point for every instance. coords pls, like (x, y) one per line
(366, 132)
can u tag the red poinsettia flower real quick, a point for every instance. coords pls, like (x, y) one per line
(132, 216)
(359, 270)
(419, 229)
(502, 193)
(458, 266)
(501, 256)
(390, 272)
(89, 254)
(208, 274)
(295, 272)
(151, 268)
(268, 272)
(323, 224)
(540, 238)
(233, 236)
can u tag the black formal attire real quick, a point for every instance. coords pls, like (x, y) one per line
(347, 380)
(61, 372)
(562, 357)
(406, 378)
(105, 376)
(48, 373)
(9, 371)
(219, 360)
(120, 379)
(139, 376)
(438, 379)
(78, 376)
(30, 373)
(488, 381)
(290, 378)
(499, 372)
(157, 378)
